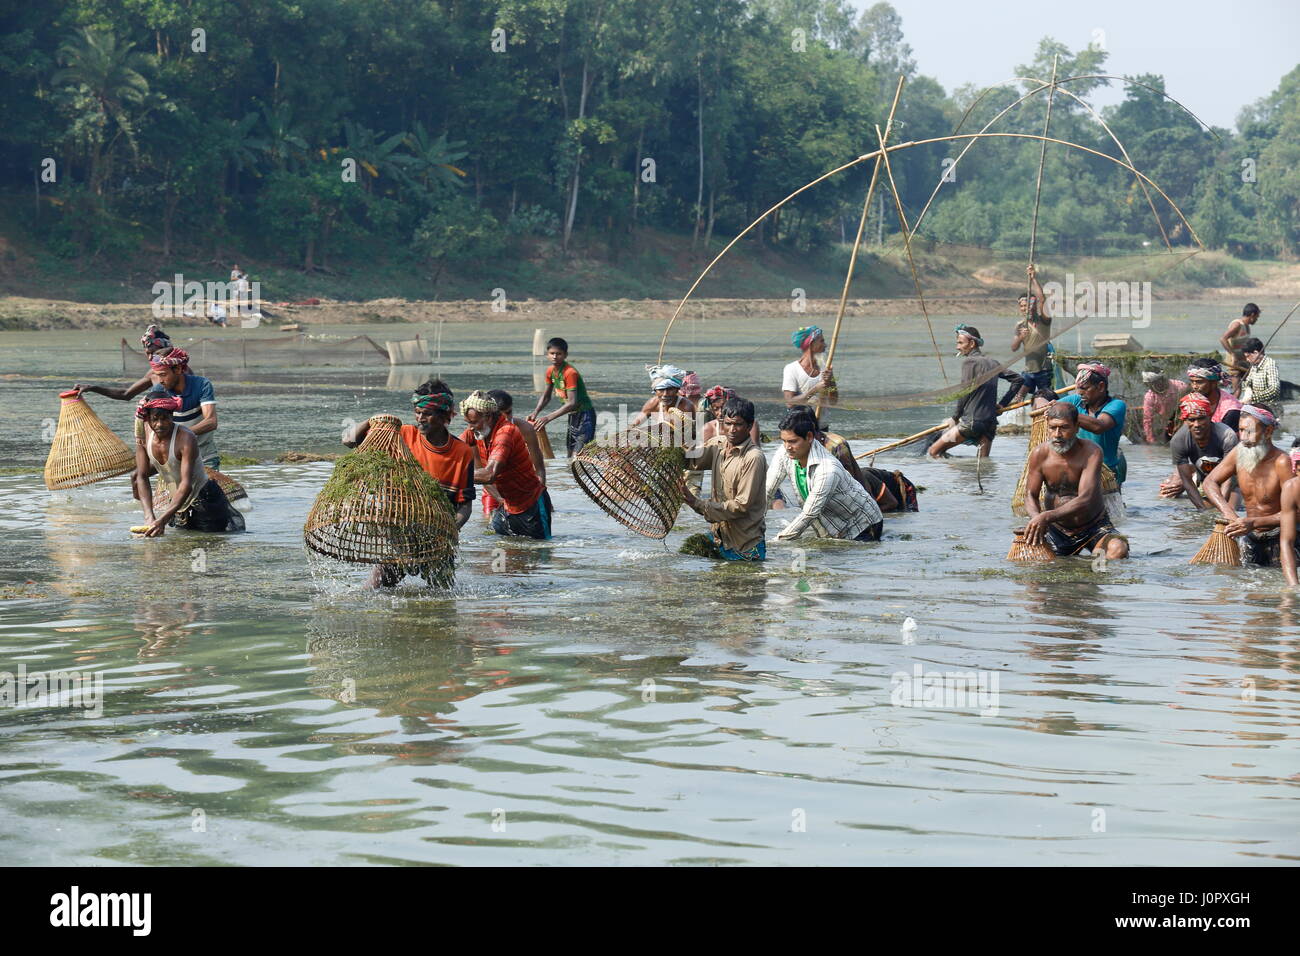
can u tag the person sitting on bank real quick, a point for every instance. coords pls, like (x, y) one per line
(171, 451)
(974, 419)
(1034, 332)
(564, 380)
(1262, 384)
(1197, 448)
(1205, 376)
(1261, 469)
(1075, 516)
(832, 502)
(525, 508)
(736, 509)
(803, 381)
(1101, 417)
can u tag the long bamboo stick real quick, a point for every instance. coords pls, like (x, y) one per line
(1282, 323)
(1038, 187)
(857, 242)
(938, 428)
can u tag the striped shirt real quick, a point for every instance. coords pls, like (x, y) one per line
(197, 393)
(837, 506)
(1262, 383)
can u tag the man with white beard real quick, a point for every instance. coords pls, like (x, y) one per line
(1074, 517)
(1261, 469)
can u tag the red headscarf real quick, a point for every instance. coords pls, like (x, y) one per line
(176, 357)
(169, 403)
(1194, 403)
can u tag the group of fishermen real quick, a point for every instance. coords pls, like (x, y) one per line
(1222, 452)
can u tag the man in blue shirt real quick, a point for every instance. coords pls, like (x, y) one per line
(198, 411)
(1101, 417)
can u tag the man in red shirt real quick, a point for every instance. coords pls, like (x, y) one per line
(504, 463)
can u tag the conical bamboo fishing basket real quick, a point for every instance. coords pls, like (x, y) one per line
(1021, 550)
(544, 443)
(635, 478)
(380, 507)
(233, 489)
(84, 450)
(1037, 435)
(1218, 548)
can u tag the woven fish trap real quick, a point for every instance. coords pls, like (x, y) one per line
(634, 477)
(380, 507)
(1037, 435)
(233, 489)
(84, 450)
(1021, 550)
(1218, 548)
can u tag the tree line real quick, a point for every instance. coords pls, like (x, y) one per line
(453, 132)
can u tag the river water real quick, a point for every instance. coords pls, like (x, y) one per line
(601, 699)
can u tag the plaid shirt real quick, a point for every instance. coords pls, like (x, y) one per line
(1262, 383)
(837, 505)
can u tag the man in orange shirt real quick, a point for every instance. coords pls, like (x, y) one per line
(564, 380)
(525, 506)
(447, 459)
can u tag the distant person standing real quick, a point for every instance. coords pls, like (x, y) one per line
(1034, 332)
(1234, 338)
(564, 380)
(1162, 395)
(804, 381)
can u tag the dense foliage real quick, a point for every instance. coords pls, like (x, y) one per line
(452, 132)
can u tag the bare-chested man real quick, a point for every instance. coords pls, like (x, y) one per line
(1075, 518)
(1261, 470)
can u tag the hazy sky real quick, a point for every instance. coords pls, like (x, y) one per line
(1215, 55)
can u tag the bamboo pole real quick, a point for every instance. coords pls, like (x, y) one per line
(857, 242)
(1038, 186)
(938, 428)
(1270, 338)
(663, 342)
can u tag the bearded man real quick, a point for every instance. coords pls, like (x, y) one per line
(1075, 516)
(1261, 469)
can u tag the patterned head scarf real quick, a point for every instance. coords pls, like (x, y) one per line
(970, 332)
(1089, 373)
(1194, 404)
(718, 395)
(691, 386)
(438, 401)
(799, 338)
(176, 357)
(1295, 458)
(1212, 374)
(479, 401)
(668, 381)
(157, 398)
(1260, 414)
(1151, 378)
(658, 373)
(154, 339)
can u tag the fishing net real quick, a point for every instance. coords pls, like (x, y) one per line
(233, 489)
(278, 351)
(635, 477)
(84, 450)
(380, 507)
(1126, 383)
(1037, 435)
(1218, 548)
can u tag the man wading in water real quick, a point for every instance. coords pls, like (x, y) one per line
(1034, 332)
(1076, 517)
(739, 500)
(170, 450)
(1261, 470)
(1196, 448)
(975, 418)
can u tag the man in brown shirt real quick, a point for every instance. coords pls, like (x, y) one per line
(739, 494)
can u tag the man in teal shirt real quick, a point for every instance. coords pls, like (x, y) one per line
(1101, 417)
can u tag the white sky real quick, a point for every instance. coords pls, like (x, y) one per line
(1216, 55)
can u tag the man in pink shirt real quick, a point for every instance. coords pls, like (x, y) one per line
(1205, 376)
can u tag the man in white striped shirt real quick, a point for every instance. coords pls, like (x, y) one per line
(832, 502)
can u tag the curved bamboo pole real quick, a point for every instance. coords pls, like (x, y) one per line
(862, 224)
(911, 144)
(1042, 161)
(907, 243)
(1282, 323)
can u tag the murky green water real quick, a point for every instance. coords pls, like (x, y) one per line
(601, 699)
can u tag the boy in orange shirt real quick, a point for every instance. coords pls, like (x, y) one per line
(566, 381)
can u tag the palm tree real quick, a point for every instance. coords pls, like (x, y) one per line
(432, 157)
(284, 141)
(102, 81)
(374, 153)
